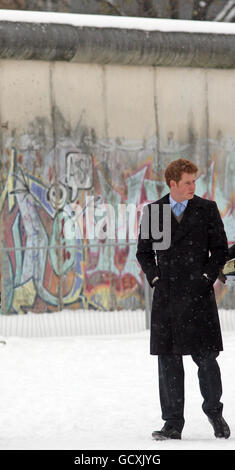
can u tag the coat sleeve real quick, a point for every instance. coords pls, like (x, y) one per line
(231, 252)
(145, 253)
(217, 243)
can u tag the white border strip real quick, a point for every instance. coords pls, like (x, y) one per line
(127, 22)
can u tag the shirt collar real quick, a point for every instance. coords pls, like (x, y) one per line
(173, 202)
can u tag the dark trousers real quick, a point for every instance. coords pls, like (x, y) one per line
(171, 386)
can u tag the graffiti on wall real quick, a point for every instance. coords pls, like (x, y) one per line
(44, 268)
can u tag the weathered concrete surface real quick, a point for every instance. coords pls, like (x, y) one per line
(31, 41)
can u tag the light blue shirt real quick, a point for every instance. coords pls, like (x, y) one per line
(173, 203)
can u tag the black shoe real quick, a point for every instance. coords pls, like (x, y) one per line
(167, 432)
(221, 428)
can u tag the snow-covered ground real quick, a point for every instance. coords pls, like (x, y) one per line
(99, 392)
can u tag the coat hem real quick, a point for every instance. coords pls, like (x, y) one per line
(189, 353)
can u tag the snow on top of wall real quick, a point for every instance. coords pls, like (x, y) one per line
(127, 22)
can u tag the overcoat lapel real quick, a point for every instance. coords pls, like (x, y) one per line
(178, 230)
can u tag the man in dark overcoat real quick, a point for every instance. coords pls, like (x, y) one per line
(184, 317)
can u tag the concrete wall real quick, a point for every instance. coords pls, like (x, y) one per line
(185, 8)
(131, 120)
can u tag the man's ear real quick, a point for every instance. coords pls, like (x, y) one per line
(172, 184)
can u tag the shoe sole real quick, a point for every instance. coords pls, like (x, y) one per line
(159, 437)
(223, 437)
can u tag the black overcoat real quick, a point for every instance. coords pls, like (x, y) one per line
(184, 317)
(231, 252)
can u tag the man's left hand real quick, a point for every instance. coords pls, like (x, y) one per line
(222, 277)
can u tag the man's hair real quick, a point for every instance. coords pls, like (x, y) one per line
(175, 169)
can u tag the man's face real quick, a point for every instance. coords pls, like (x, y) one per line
(185, 188)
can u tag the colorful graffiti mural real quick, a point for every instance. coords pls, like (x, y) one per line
(43, 268)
